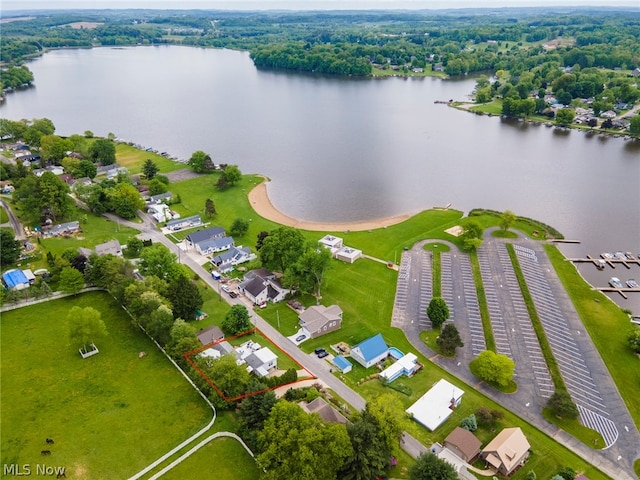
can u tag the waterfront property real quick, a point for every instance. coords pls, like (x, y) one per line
(435, 406)
(182, 223)
(232, 257)
(407, 365)
(261, 286)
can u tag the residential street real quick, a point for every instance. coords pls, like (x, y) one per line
(15, 223)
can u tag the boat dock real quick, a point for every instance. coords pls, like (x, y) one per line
(598, 262)
(621, 291)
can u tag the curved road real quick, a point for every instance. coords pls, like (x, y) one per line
(15, 223)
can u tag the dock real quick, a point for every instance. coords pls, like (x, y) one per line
(609, 261)
(563, 240)
(621, 291)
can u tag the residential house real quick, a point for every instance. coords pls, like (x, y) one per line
(326, 411)
(55, 169)
(406, 365)
(636, 72)
(161, 212)
(232, 257)
(221, 349)
(435, 406)
(318, 320)
(261, 361)
(370, 351)
(180, 223)
(65, 228)
(111, 247)
(463, 443)
(507, 451)
(206, 234)
(610, 114)
(210, 334)
(161, 198)
(84, 181)
(15, 279)
(261, 286)
(214, 245)
(342, 363)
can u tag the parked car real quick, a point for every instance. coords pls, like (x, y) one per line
(319, 350)
(300, 338)
(233, 294)
(323, 354)
(225, 288)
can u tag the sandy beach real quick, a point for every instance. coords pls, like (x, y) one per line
(259, 199)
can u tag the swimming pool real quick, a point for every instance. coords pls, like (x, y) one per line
(395, 353)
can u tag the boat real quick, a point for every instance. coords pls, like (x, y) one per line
(629, 256)
(631, 283)
(607, 256)
(600, 264)
(615, 282)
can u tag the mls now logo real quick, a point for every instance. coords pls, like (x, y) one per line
(14, 469)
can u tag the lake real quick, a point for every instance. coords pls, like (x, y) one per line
(340, 150)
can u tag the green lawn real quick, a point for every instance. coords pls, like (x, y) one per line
(4, 216)
(608, 327)
(111, 414)
(133, 159)
(222, 458)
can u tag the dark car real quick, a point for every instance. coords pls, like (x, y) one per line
(300, 338)
(233, 294)
(319, 350)
(323, 354)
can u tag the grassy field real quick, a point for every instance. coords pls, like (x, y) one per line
(111, 414)
(133, 159)
(608, 327)
(222, 458)
(4, 217)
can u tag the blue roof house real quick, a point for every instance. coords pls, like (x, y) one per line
(15, 279)
(370, 351)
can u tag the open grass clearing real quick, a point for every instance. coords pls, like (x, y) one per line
(111, 414)
(608, 327)
(4, 216)
(133, 159)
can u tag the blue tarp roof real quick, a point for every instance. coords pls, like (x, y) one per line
(341, 362)
(372, 347)
(14, 277)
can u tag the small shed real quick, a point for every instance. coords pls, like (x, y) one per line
(15, 279)
(342, 363)
(348, 254)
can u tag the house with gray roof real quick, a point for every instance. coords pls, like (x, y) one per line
(187, 222)
(109, 248)
(261, 361)
(214, 245)
(207, 234)
(232, 257)
(261, 286)
(210, 334)
(318, 320)
(65, 228)
(326, 411)
(161, 198)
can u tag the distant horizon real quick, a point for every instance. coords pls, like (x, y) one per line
(306, 5)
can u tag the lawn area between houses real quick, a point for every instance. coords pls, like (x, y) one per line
(608, 327)
(111, 414)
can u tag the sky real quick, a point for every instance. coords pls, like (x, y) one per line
(7, 5)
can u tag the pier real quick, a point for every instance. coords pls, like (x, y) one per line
(609, 261)
(621, 291)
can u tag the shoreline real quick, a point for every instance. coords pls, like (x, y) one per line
(261, 204)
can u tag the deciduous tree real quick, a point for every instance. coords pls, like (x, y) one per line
(239, 227)
(157, 260)
(85, 326)
(430, 467)
(125, 200)
(507, 219)
(437, 311)
(236, 320)
(200, 162)
(493, 367)
(9, 247)
(71, 280)
(232, 379)
(634, 339)
(562, 406)
(307, 274)
(371, 455)
(233, 174)
(282, 248)
(104, 151)
(298, 445)
(185, 297)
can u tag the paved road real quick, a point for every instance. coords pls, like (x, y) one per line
(15, 223)
(527, 402)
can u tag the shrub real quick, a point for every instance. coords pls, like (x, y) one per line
(469, 423)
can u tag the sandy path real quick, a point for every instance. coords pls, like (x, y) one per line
(259, 199)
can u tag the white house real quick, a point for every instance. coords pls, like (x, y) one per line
(214, 245)
(406, 365)
(232, 257)
(261, 361)
(435, 406)
(331, 242)
(161, 212)
(370, 351)
(187, 222)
